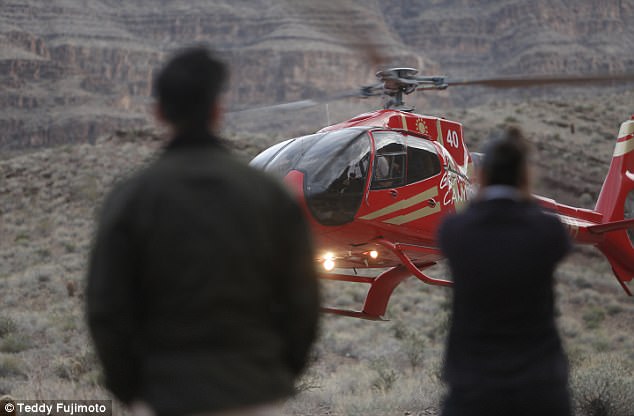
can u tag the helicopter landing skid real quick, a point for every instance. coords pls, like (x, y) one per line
(381, 288)
(399, 250)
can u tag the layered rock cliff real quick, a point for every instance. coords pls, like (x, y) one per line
(71, 71)
(518, 37)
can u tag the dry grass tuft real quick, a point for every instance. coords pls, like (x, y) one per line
(604, 385)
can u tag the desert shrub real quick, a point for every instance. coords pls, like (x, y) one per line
(83, 367)
(614, 308)
(15, 342)
(85, 189)
(43, 252)
(442, 323)
(582, 282)
(569, 326)
(22, 237)
(64, 321)
(69, 247)
(310, 380)
(593, 317)
(603, 385)
(601, 344)
(386, 376)
(413, 344)
(10, 366)
(7, 325)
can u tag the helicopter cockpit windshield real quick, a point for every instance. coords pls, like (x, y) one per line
(335, 166)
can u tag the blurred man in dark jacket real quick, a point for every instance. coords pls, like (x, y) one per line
(504, 355)
(201, 294)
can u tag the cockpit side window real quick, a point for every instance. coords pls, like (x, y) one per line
(422, 160)
(389, 160)
(402, 159)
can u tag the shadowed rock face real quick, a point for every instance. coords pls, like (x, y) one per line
(73, 70)
(516, 37)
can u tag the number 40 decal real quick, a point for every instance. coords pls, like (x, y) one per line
(452, 138)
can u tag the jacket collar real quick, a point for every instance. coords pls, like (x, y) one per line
(500, 192)
(193, 140)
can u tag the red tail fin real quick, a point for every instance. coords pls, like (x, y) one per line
(615, 201)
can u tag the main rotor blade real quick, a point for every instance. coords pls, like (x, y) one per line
(514, 82)
(292, 105)
(301, 104)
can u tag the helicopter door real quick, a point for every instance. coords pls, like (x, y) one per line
(405, 180)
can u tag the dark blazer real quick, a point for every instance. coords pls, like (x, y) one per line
(201, 291)
(502, 254)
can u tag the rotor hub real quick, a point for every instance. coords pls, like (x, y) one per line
(394, 82)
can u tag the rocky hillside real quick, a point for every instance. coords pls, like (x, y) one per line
(71, 71)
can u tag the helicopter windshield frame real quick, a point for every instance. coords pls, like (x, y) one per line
(336, 170)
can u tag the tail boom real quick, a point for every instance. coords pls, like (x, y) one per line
(606, 227)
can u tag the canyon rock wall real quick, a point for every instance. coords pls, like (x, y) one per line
(518, 36)
(71, 71)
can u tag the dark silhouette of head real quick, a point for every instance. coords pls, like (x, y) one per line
(187, 89)
(505, 160)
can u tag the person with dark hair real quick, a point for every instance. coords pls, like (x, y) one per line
(201, 297)
(504, 354)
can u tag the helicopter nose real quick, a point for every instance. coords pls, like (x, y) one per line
(294, 181)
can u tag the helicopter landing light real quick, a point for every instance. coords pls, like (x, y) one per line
(329, 261)
(329, 264)
(374, 254)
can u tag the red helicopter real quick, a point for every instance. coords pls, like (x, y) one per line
(376, 187)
